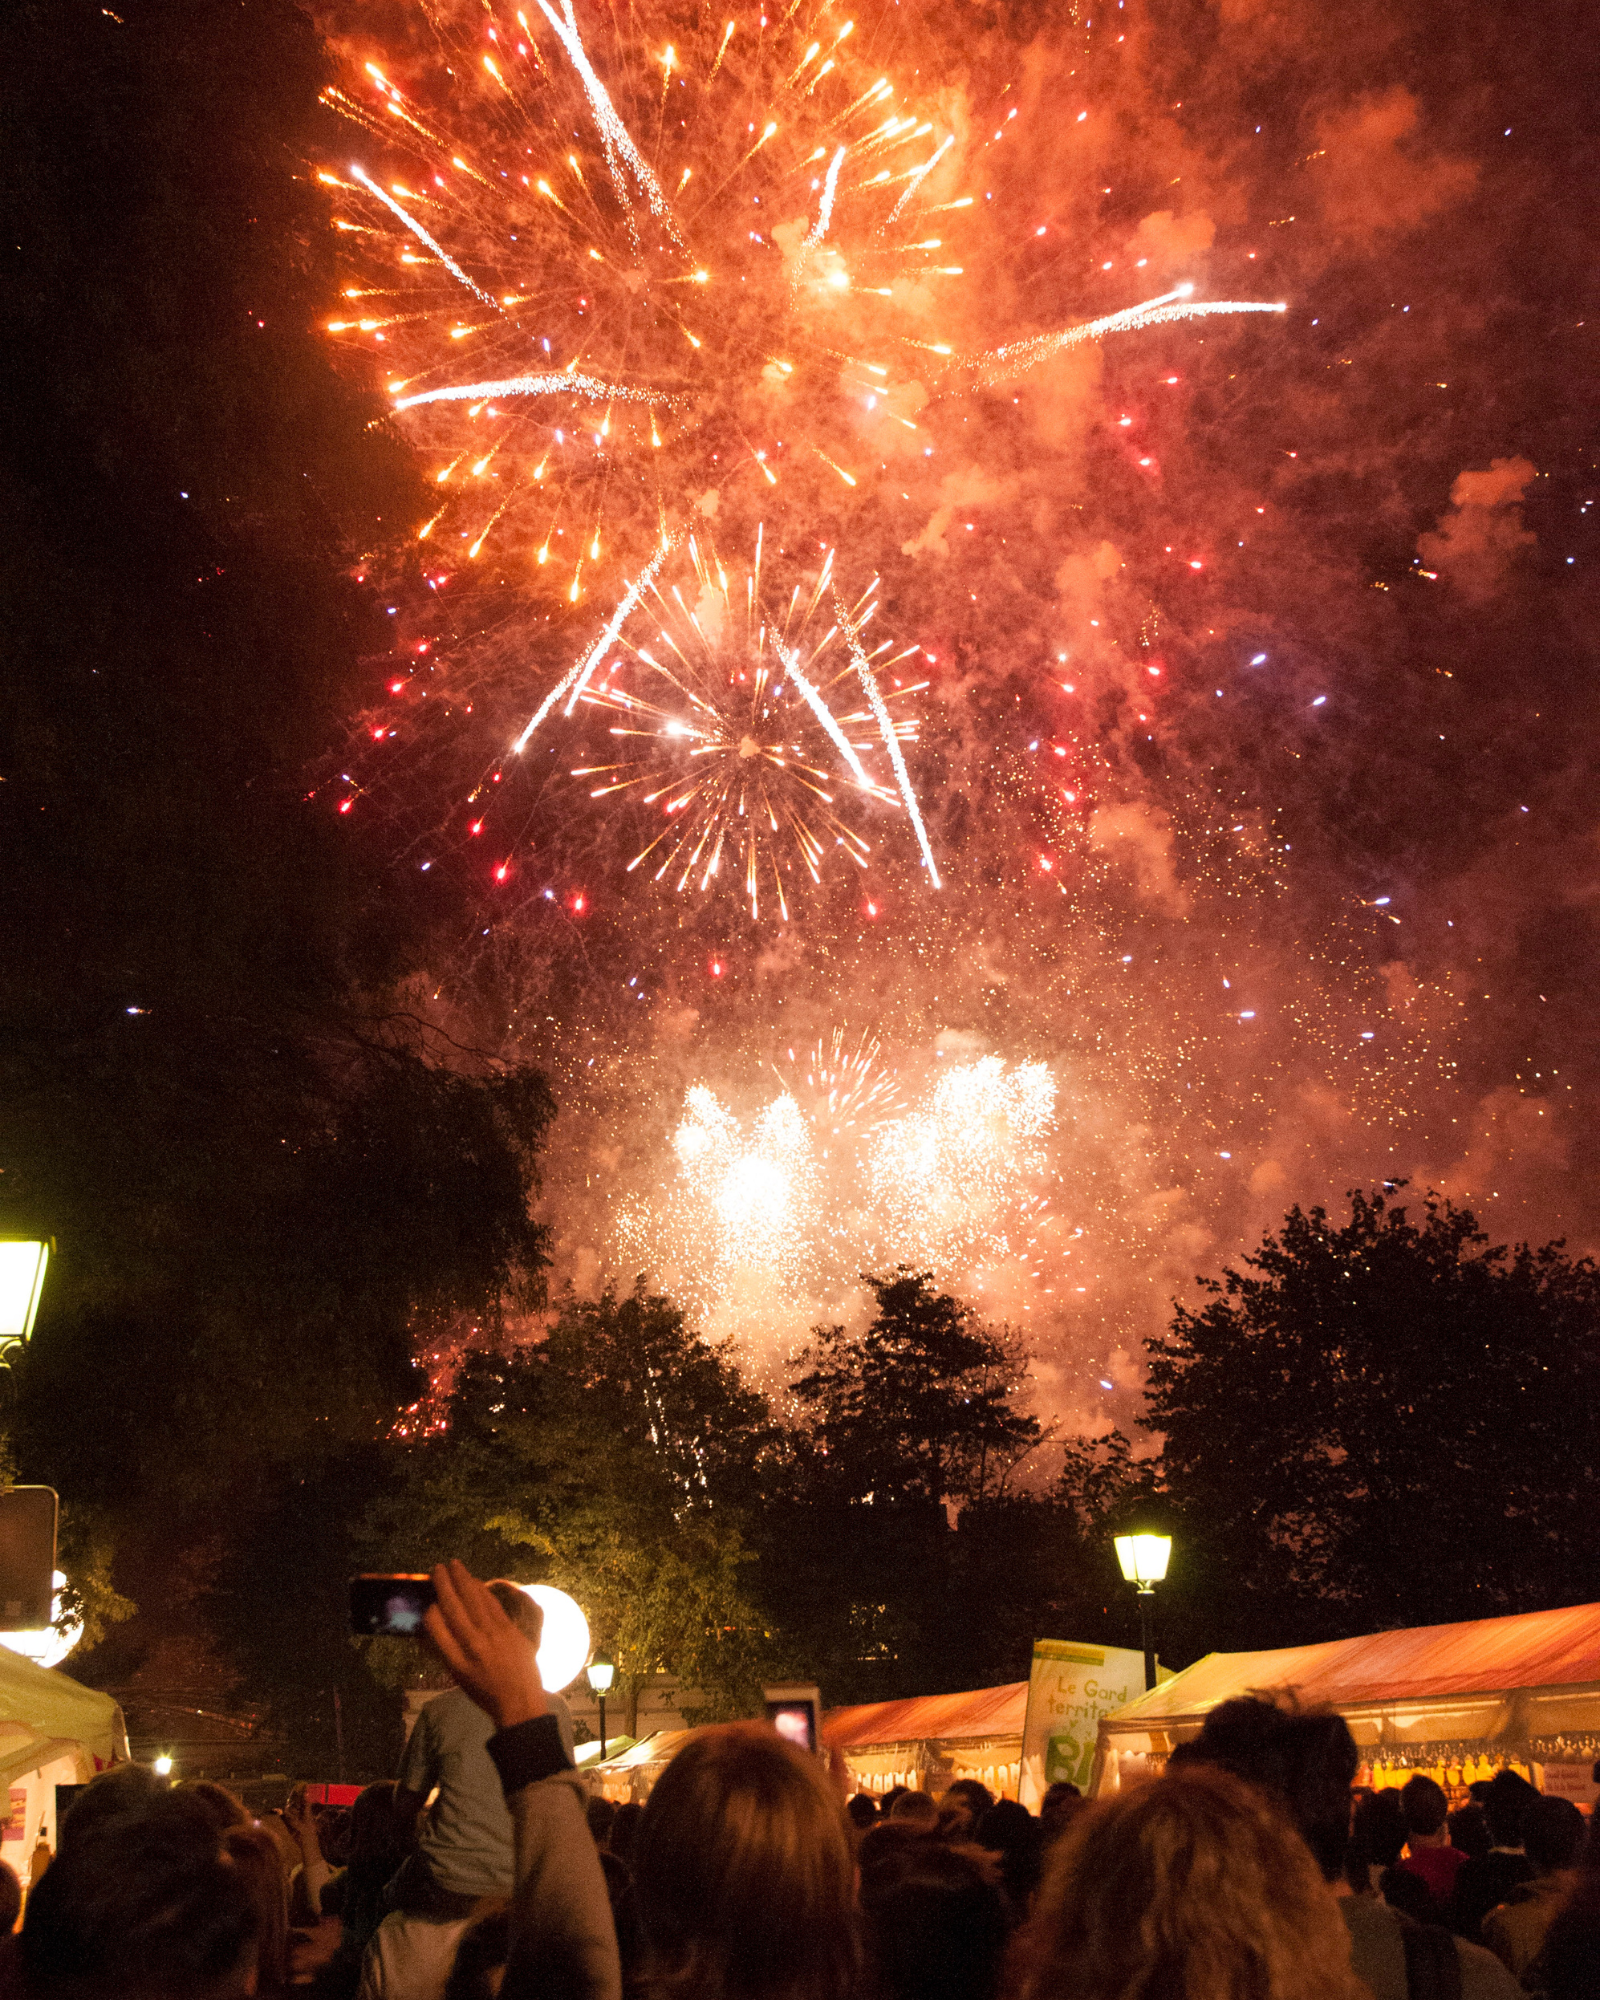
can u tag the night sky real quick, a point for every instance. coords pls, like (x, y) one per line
(1257, 741)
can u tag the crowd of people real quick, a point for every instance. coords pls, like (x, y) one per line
(1250, 1870)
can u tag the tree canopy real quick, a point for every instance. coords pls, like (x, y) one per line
(1387, 1421)
(621, 1458)
(920, 1406)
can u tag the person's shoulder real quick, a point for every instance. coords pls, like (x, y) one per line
(454, 1711)
(1483, 1976)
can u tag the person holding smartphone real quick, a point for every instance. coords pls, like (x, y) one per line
(563, 1942)
(463, 1859)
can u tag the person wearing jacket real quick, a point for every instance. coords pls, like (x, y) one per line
(563, 1944)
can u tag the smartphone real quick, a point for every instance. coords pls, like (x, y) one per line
(389, 1607)
(795, 1712)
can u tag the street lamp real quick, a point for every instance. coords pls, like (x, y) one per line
(1144, 1561)
(601, 1675)
(22, 1268)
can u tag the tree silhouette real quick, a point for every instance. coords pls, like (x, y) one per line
(920, 1405)
(1386, 1422)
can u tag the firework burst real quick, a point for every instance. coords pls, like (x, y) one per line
(797, 1201)
(729, 725)
(627, 275)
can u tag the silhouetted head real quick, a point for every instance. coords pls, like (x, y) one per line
(1553, 1833)
(1307, 1762)
(745, 1877)
(1506, 1799)
(141, 1905)
(1425, 1806)
(1377, 1834)
(935, 1923)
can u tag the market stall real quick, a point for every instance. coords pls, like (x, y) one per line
(1455, 1701)
(630, 1774)
(52, 1732)
(929, 1741)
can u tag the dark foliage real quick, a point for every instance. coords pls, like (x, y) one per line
(261, 1168)
(1386, 1422)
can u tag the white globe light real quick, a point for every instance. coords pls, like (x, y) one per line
(46, 1648)
(564, 1648)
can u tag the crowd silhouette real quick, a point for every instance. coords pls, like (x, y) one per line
(1251, 1869)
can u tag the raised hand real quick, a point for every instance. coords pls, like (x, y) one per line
(486, 1654)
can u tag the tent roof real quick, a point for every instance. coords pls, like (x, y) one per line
(55, 1710)
(1534, 1649)
(660, 1747)
(996, 1711)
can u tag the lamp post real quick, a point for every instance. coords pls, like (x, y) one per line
(601, 1675)
(22, 1268)
(1144, 1564)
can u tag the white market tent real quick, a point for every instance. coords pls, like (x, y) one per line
(1455, 1701)
(52, 1732)
(630, 1774)
(924, 1742)
(928, 1741)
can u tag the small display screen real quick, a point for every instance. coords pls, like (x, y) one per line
(389, 1607)
(795, 1722)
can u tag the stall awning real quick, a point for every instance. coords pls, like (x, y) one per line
(1486, 1656)
(47, 1712)
(939, 1718)
(1527, 1686)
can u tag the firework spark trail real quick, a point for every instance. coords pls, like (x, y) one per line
(1169, 306)
(551, 383)
(918, 176)
(820, 709)
(891, 741)
(422, 236)
(614, 133)
(578, 676)
(825, 208)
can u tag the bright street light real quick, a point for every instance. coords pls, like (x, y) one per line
(602, 1673)
(1144, 1560)
(564, 1646)
(49, 1645)
(22, 1268)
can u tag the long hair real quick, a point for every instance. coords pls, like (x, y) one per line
(1192, 1885)
(744, 1873)
(254, 1854)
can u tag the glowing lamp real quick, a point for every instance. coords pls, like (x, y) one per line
(49, 1645)
(1144, 1558)
(162, 1765)
(565, 1644)
(22, 1269)
(601, 1675)
(1144, 1564)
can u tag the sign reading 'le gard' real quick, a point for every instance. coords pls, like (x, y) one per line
(1069, 1689)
